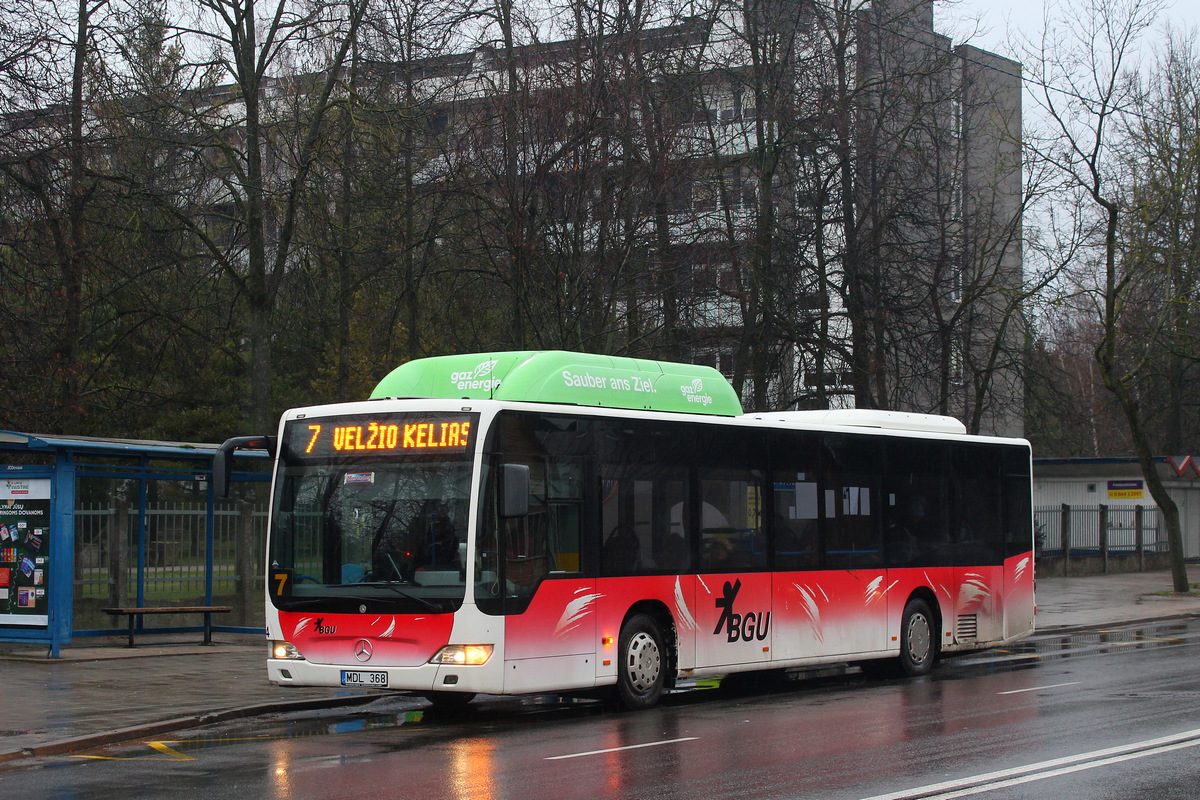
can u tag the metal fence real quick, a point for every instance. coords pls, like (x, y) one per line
(1098, 530)
(164, 558)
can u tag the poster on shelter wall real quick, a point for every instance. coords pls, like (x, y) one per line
(24, 551)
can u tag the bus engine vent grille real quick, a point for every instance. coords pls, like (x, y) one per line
(968, 628)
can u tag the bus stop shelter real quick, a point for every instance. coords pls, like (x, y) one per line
(88, 523)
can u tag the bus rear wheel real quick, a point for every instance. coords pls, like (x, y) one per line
(640, 673)
(918, 639)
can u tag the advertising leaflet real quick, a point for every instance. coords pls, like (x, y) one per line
(24, 551)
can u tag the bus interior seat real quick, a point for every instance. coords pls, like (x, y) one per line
(622, 551)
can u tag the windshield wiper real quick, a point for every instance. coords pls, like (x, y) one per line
(308, 601)
(360, 598)
(393, 587)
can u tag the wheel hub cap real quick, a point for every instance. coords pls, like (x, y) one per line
(919, 639)
(643, 662)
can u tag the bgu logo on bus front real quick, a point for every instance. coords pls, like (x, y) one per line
(751, 626)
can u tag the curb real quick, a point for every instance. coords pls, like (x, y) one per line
(166, 726)
(1091, 626)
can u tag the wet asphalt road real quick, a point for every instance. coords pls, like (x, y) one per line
(1098, 714)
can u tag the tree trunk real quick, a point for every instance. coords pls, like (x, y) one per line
(1106, 357)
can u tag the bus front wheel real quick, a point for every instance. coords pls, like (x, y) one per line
(918, 638)
(641, 673)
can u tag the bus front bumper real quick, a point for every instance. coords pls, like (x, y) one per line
(485, 678)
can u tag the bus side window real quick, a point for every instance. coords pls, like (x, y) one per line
(625, 514)
(977, 504)
(796, 501)
(642, 524)
(915, 505)
(851, 502)
(731, 532)
(1018, 509)
(731, 487)
(558, 451)
(643, 489)
(796, 527)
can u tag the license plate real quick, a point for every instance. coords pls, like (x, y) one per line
(358, 678)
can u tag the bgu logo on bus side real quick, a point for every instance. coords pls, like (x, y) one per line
(750, 626)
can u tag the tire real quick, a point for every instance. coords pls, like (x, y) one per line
(918, 639)
(641, 672)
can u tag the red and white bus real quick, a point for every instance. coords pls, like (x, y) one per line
(533, 522)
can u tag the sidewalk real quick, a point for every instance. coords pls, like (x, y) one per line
(101, 691)
(1092, 600)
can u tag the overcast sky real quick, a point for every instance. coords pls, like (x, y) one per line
(997, 17)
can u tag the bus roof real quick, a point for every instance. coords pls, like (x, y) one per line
(871, 418)
(558, 376)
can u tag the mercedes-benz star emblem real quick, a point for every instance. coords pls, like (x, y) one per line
(362, 650)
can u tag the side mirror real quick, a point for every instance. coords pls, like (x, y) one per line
(514, 490)
(221, 470)
(222, 465)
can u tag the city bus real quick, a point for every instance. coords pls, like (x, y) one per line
(556, 522)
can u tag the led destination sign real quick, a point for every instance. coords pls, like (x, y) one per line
(380, 435)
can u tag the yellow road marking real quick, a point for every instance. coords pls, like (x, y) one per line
(172, 755)
(163, 747)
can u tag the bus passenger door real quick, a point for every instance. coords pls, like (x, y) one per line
(549, 604)
(550, 626)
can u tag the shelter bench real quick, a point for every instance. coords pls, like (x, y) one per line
(135, 613)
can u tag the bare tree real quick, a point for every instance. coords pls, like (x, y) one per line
(267, 150)
(1084, 71)
(376, 206)
(46, 159)
(1162, 232)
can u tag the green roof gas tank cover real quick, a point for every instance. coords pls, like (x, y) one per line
(556, 376)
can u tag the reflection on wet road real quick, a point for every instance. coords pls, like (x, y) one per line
(1106, 713)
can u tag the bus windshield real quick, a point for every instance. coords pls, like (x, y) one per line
(356, 535)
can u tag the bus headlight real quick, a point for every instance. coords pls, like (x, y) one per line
(285, 650)
(471, 655)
